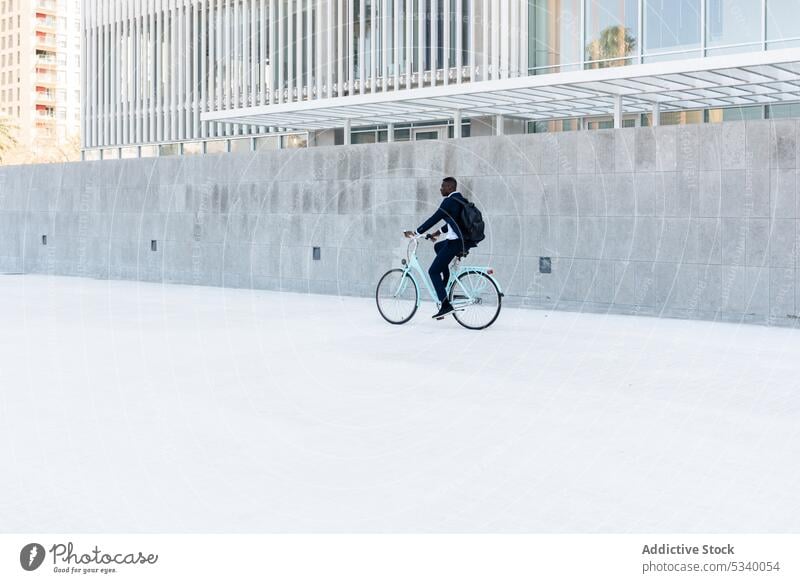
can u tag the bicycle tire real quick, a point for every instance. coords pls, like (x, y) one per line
(460, 315)
(384, 280)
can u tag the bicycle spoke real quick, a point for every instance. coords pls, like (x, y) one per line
(476, 299)
(396, 296)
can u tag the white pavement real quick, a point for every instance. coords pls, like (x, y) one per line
(133, 407)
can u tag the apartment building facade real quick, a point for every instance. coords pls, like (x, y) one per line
(40, 83)
(190, 76)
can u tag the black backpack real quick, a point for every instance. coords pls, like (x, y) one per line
(471, 222)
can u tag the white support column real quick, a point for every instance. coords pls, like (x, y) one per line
(201, 84)
(256, 22)
(373, 47)
(272, 33)
(500, 124)
(159, 88)
(421, 43)
(211, 86)
(151, 134)
(459, 39)
(513, 30)
(264, 24)
(617, 111)
(309, 49)
(362, 65)
(457, 124)
(331, 56)
(281, 42)
(505, 40)
(408, 13)
(290, 46)
(434, 41)
(180, 68)
(114, 73)
(472, 28)
(522, 34)
(300, 49)
(351, 74)
(384, 24)
(486, 41)
(319, 38)
(446, 15)
(340, 54)
(495, 18)
(347, 130)
(397, 31)
(390, 132)
(656, 114)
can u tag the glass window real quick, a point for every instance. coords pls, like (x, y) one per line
(192, 148)
(671, 26)
(784, 110)
(732, 22)
(783, 24)
(294, 141)
(216, 147)
(169, 150)
(362, 137)
(612, 32)
(735, 114)
(147, 152)
(268, 143)
(241, 145)
(555, 41)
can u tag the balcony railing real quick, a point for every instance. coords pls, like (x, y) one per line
(48, 40)
(46, 77)
(42, 60)
(45, 22)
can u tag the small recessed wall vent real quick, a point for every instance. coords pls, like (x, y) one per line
(44, 239)
(317, 253)
(153, 245)
(545, 265)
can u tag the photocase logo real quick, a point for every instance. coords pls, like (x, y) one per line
(31, 556)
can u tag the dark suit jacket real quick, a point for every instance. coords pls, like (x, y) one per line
(450, 208)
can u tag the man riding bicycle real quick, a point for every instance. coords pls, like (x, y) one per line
(452, 245)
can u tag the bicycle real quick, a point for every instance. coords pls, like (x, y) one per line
(473, 291)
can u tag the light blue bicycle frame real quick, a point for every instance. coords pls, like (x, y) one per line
(412, 265)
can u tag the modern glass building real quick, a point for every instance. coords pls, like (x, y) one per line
(190, 76)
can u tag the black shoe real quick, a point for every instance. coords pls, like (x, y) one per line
(444, 310)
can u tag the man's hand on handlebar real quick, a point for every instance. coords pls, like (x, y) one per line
(430, 236)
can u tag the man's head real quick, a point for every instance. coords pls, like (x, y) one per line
(449, 186)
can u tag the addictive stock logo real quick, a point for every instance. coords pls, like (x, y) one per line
(31, 556)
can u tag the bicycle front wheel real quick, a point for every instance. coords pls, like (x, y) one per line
(476, 299)
(397, 296)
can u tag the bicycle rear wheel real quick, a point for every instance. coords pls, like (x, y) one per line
(397, 296)
(476, 299)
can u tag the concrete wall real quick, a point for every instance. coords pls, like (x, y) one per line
(695, 221)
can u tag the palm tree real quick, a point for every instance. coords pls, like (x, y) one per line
(614, 43)
(7, 139)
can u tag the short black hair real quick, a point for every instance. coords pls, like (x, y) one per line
(451, 181)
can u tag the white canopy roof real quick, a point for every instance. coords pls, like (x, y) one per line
(723, 81)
